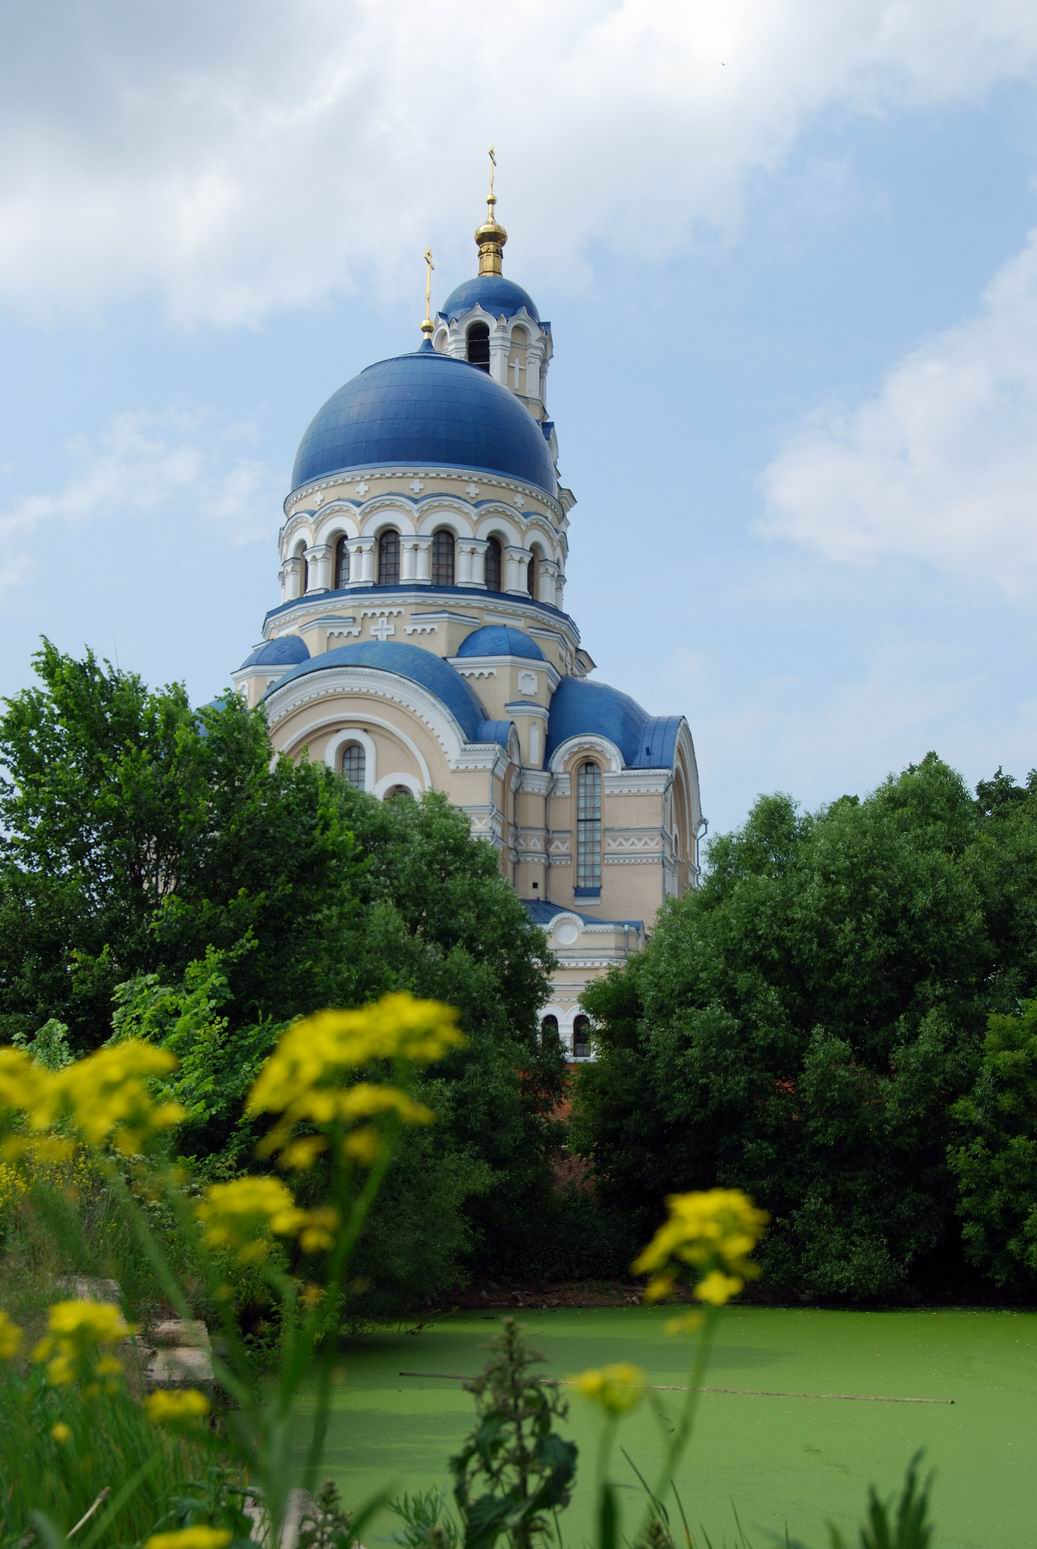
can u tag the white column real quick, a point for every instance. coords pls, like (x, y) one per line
(477, 548)
(293, 576)
(515, 562)
(534, 363)
(409, 557)
(550, 581)
(319, 560)
(422, 557)
(499, 353)
(284, 576)
(361, 561)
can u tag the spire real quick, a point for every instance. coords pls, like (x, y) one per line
(491, 237)
(428, 326)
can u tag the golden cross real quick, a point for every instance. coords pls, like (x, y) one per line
(426, 326)
(493, 163)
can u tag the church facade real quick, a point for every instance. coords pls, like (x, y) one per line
(421, 640)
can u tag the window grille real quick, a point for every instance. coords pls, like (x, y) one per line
(389, 558)
(442, 558)
(341, 562)
(588, 826)
(353, 765)
(581, 1038)
(494, 565)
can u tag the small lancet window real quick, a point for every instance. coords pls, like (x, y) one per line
(389, 558)
(533, 574)
(341, 562)
(478, 344)
(494, 565)
(353, 765)
(588, 825)
(443, 558)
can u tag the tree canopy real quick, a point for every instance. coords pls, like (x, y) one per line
(802, 1025)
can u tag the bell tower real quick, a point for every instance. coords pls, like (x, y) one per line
(494, 324)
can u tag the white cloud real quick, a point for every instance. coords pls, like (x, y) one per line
(248, 156)
(143, 463)
(940, 466)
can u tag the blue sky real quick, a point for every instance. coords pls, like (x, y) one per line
(788, 255)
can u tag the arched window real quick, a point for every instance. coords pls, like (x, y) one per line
(588, 826)
(549, 1032)
(389, 558)
(581, 1038)
(443, 557)
(533, 573)
(395, 792)
(478, 343)
(494, 564)
(341, 561)
(353, 765)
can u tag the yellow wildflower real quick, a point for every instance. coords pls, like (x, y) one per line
(684, 1323)
(106, 1098)
(60, 1431)
(245, 1214)
(22, 1080)
(10, 1337)
(78, 1332)
(173, 1408)
(301, 1154)
(709, 1234)
(310, 1077)
(190, 1538)
(364, 1145)
(616, 1389)
(718, 1288)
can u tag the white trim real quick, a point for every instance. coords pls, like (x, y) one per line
(586, 742)
(390, 780)
(312, 727)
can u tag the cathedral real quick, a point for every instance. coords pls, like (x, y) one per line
(421, 640)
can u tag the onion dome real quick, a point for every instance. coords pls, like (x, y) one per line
(287, 651)
(492, 292)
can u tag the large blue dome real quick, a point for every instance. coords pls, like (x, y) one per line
(424, 410)
(492, 292)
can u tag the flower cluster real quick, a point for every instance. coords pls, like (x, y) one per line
(105, 1098)
(191, 1538)
(310, 1079)
(708, 1235)
(176, 1408)
(77, 1345)
(245, 1214)
(616, 1389)
(10, 1337)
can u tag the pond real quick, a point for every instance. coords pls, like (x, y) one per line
(820, 1410)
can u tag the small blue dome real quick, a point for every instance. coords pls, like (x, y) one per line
(492, 292)
(285, 652)
(500, 640)
(418, 666)
(424, 410)
(579, 706)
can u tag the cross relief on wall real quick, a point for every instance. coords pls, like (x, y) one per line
(382, 629)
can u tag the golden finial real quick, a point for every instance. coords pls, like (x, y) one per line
(491, 237)
(428, 326)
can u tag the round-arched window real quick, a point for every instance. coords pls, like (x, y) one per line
(353, 765)
(533, 573)
(389, 558)
(581, 1038)
(588, 825)
(478, 346)
(395, 792)
(443, 557)
(341, 562)
(494, 564)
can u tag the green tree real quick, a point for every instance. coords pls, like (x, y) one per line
(995, 1161)
(801, 1025)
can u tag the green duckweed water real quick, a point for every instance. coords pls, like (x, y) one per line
(795, 1461)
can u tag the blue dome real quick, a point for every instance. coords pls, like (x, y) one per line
(424, 410)
(500, 640)
(579, 706)
(418, 666)
(284, 652)
(492, 292)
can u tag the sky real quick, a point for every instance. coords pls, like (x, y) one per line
(789, 254)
